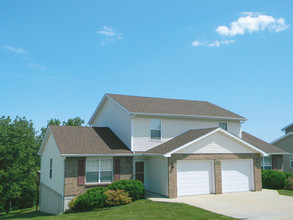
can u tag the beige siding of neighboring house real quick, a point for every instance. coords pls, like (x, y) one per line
(116, 118)
(172, 127)
(287, 145)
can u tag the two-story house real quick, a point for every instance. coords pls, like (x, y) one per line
(285, 143)
(175, 147)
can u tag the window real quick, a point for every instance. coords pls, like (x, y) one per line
(51, 167)
(99, 170)
(223, 125)
(291, 160)
(156, 133)
(266, 163)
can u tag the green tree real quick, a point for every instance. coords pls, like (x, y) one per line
(18, 154)
(77, 121)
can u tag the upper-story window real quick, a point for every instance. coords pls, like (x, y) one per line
(223, 125)
(99, 170)
(266, 163)
(51, 168)
(156, 125)
(291, 160)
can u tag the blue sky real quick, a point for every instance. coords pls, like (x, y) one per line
(58, 58)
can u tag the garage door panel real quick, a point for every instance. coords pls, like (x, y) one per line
(194, 177)
(236, 175)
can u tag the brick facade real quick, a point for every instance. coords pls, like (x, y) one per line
(71, 174)
(172, 164)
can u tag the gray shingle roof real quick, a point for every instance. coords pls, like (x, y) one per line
(179, 141)
(180, 107)
(262, 145)
(87, 140)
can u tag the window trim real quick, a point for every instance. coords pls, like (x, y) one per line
(291, 160)
(99, 171)
(151, 139)
(223, 122)
(51, 168)
(262, 163)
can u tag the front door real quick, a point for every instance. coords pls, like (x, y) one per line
(139, 171)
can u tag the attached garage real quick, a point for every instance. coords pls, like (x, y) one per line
(237, 175)
(195, 177)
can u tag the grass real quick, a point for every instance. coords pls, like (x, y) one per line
(141, 209)
(285, 192)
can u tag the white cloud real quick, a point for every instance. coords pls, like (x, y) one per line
(36, 66)
(197, 43)
(17, 50)
(110, 35)
(219, 43)
(109, 31)
(252, 22)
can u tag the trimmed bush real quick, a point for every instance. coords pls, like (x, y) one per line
(117, 197)
(92, 199)
(135, 188)
(289, 184)
(71, 203)
(272, 179)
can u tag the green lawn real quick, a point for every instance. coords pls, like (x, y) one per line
(141, 209)
(285, 192)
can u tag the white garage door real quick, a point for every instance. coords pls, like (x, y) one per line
(194, 177)
(237, 175)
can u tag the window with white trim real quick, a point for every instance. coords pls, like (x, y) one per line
(51, 168)
(223, 125)
(156, 125)
(266, 163)
(99, 170)
(291, 160)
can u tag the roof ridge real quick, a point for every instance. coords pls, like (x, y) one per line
(149, 97)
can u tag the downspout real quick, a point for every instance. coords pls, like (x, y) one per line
(63, 194)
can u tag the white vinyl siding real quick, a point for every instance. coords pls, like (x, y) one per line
(266, 163)
(51, 151)
(157, 179)
(99, 170)
(171, 127)
(117, 119)
(215, 144)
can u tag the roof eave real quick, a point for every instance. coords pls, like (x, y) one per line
(284, 128)
(187, 116)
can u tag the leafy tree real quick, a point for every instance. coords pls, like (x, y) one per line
(18, 149)
(77, 121)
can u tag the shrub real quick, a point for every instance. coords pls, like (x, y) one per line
(71, 203)
(272, 179)
(117, 197)
(92, 199)
(289, 184)
(135, 188)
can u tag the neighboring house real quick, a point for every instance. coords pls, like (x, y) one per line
(286, 143)
(175, 147)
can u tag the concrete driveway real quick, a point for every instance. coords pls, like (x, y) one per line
(267, 204)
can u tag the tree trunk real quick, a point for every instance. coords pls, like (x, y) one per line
(7, 208)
